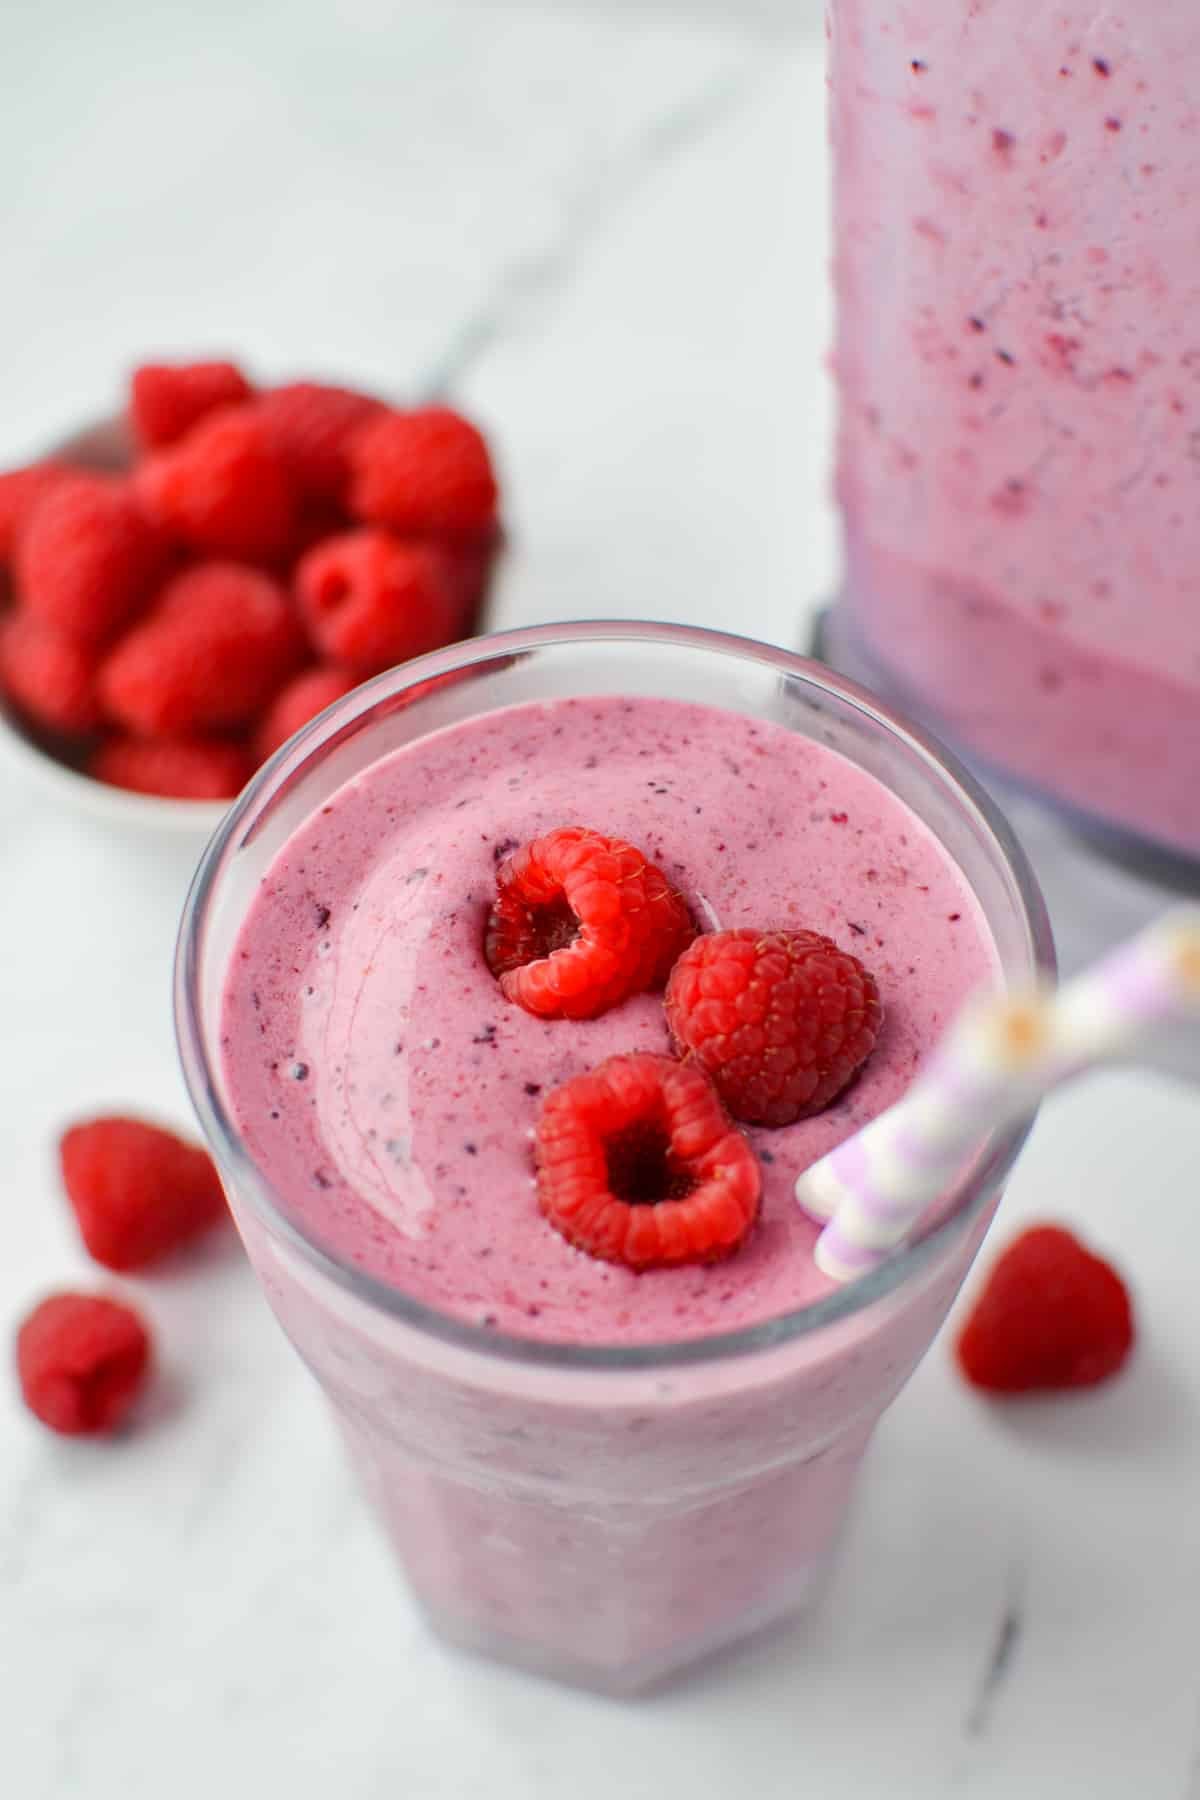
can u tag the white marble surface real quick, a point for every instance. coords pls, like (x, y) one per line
(606, 224)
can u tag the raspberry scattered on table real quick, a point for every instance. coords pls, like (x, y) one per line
(82, 1361)
(138, 1192)
(1051, 1315)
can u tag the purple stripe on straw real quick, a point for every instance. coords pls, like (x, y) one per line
(858, 1177)
(851, 1164)
(1133, 981)
(966, 1087)
(926, 1152)
(858, 1259)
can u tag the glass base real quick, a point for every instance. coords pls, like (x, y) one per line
(796, 1594)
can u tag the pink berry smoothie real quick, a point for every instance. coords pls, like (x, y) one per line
(390, 1091)
(605, 1522)
(1018, 359)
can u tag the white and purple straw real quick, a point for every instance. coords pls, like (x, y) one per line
(995, 1063)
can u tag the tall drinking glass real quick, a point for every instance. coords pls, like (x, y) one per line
(602, 1513)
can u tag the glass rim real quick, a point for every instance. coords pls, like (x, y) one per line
(1000, 1148)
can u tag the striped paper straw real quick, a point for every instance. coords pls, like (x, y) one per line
(996, 1062)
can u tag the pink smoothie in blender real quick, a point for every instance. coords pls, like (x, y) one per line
(1018, 361)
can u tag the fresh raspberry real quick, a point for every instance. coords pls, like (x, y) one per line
(175, 768)
(223, 489)
(50, 677)
(1051, 1315)
(311, 426)
(20, 492)
(82, 1360)
(424, 473)
(300, 701)
(220, 641)
(580, 922)
(781, 1020)
(138, 1191)
(167, 399)
(87, 558)
(370, 601)
(637, 1163)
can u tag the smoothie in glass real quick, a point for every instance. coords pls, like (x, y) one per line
(1018, 362)
(598, 1473)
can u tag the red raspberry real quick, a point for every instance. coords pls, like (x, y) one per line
(87, 558)
(175, 768)
(167, 399)
(580, 922)
(300, 701)
(1051, 1315)
(82, 1360)
(424, 473)
(138, 1191)
(370, 601)
(223, 489)
(214, 651)
(20, 492)
(50, 677)
(637, 1163)
(781, 1020)
(311, 426)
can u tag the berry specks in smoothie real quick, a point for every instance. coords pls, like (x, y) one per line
(388, 1121)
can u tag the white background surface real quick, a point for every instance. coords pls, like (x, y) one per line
(606, 225)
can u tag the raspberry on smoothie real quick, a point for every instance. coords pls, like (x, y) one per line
(390, 1089)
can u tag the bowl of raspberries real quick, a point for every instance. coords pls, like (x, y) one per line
(186, 585)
